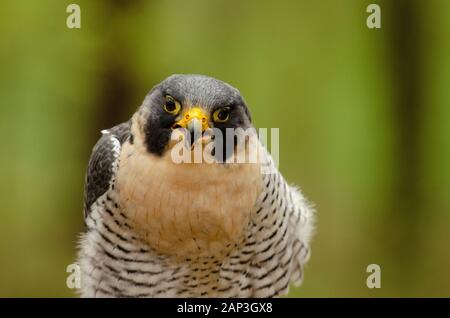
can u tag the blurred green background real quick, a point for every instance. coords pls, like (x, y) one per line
(364, 118)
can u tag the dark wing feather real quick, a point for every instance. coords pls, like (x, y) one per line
(101, 164)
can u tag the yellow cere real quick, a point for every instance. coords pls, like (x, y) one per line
(194, 113)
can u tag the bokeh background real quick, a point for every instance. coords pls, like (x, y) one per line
(364, 118)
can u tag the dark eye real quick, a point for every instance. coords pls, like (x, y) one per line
(221, 115)
(171, 106)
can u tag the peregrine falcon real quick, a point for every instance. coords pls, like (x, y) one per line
(160, 228)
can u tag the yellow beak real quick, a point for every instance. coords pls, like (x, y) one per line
(194, 116)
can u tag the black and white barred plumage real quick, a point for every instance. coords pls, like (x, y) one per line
(118, 261)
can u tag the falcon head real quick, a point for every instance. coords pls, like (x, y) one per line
(194, 103)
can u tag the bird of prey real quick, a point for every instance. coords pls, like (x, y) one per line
(159, 228)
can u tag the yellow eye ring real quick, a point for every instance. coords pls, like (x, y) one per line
(221, 115)
(171, 106)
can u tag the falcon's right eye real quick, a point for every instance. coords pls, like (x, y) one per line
(171, 106)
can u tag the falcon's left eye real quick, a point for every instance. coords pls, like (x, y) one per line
(221, 115)
(171, 106)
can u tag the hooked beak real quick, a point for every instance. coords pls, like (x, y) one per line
(195, 121)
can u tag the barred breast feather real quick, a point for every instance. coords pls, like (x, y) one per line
(117, 261)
